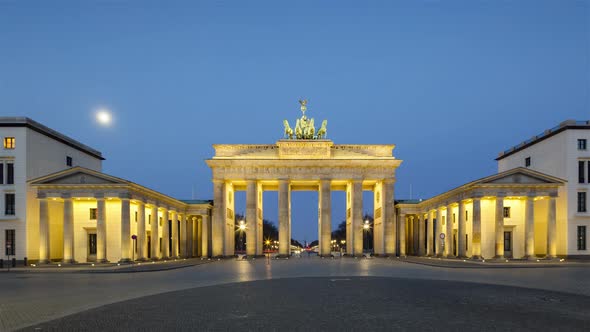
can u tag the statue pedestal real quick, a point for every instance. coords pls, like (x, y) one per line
(305, 149)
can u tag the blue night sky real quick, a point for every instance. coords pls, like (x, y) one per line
(451, 83)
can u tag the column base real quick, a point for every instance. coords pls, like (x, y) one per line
(498, 257)
(530, 257)
(104, 260)
(69, 261)
(125, 261)
(44, 261)
(450, 256)
(476, 257)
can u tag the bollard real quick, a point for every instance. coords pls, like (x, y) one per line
(14, 262)
(25, 261)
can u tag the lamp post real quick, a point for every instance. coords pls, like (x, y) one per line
(241, 229)
(366, 228)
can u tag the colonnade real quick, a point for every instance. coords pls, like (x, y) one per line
(224, 218)
(187, 235)
(437, 230)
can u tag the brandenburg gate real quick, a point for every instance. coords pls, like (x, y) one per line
(304, 160)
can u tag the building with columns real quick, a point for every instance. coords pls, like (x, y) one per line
(59, 206)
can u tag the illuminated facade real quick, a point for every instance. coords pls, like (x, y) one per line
(58, 206)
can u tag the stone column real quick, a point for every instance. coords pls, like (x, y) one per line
(402, 235)
(218, 231)
(325, 217)
(421, 235)
(197, 235)
(476, 223)
(141, 234)
(155, 223)
(68, 255)
(529, 227)
(388, 219)
(461, 231)
(174, 218)
(125, 230)
(499, 229)
(429, 231)
(44, 247)
(165, 234)
(356, 197)
(438, 242)
(551, 228)
(101, 231)
(284, 240)
(251, 218)
(182, 230)
(259, 217)
(449, 233)
(205, 236)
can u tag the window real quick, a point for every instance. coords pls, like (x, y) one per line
(466, 242)
(582, 144)
(10, 245)
(507, 212)
(69, 161)
(135, 216)
(581, 237)
(1, 173)
(9, 142)
(581, 171)
(466, 215)
(92, 213)
(582, 201)
(149, 219)
(9, 207)
(454, 220)
(10, 173)
(527, 161)
(160, 221)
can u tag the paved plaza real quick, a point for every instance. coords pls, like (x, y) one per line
(302, 293)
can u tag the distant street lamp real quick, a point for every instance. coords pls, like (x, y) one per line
(242, 228)
(366, 228)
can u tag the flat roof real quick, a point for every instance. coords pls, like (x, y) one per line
(9, 121)
(568, 124)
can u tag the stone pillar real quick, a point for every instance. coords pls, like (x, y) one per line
(402, 235)
(197, 235)
(284, 240)
(141, 234)
(165, 234)
(499, 229)
(183, 244)
(529, 227)
(438, 242)
(68, 255)
(449, 252)
(44, 247)
(388, 207)
(174, 218)
(251, 218)
(429, 238)
(551, 228)
(218, 232)
(421, 235)
(189, 236)
(101, 231)
(154, 230)
(325, 217)
(461, 231)
(259, 215)
(476, 223)
(205, 236)
(125, 230)
(356, 200)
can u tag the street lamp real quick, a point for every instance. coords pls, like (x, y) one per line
(242, 228)
(366, 228)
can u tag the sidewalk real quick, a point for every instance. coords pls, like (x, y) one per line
(149, 266)
(492, 263)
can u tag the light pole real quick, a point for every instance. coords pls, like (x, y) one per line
(242, 228)
(366, 228)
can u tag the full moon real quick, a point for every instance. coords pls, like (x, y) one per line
(103, 117)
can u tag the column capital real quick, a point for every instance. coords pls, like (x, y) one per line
(99, 196)
(125, 196)
(500, 195)
(66, 196)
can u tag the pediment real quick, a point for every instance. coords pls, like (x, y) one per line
(78, 176)
(521, 176)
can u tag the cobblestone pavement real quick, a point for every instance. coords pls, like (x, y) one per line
(333, 304)
(32, 298)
